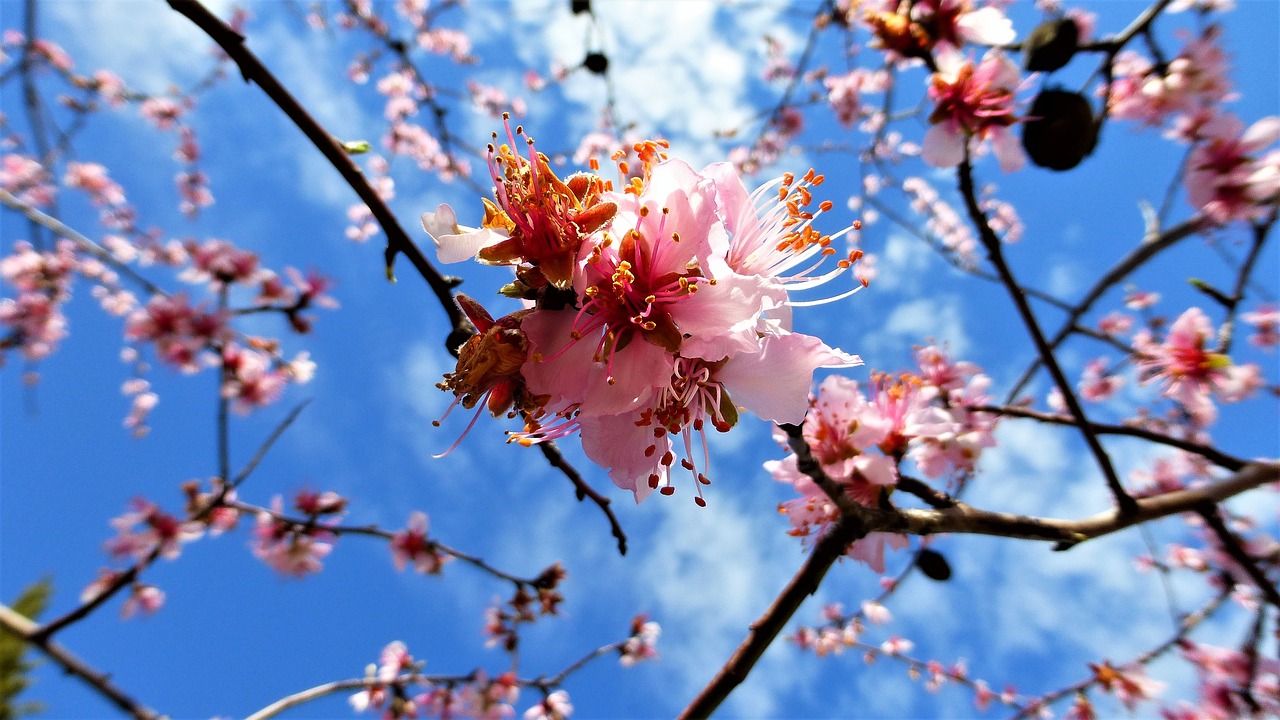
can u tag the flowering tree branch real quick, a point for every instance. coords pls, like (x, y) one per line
(996, 256)
(398, 242)
(22, 627)
(1213, 454)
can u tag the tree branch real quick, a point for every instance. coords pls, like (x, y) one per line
(252, 70)
(26, 630)
(996, 255)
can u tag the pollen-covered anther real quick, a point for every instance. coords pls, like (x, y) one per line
(704, 479)
(684, 463)
(669, 490)
(668, 458)
(653, 482)
(649, 451)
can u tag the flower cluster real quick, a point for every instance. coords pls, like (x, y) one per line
(297, 548)
(652, 312)
(1190, 371)
(860, 440)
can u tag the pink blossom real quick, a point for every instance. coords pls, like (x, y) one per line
(642, 645)
(973, 103)
(94, 590)
(1189, 370)
(896, 645)
(411, 546)
(447, 41)
(844, 92)
(180, 332)
(1097, 385)
(146, 599)
(92, 178)
(288, 548)
(555, 706)
(1130, 683)
(160, 532)
(1266, 326)
(221, 263)
(1136, 299)
(27, 180)
(1223, 179)
(249, 379)
(163, 112)
(1116, 324)
(493, 101)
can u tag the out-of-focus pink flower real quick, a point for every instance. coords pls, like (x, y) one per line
(221, 263)
(1097, 385)
(162, 112)
(250, 381)
(844, 92)
(145, 599)
(1223, 178)
(1189, 370)
(159, 531)
(27, 180)
(288, 548)
(643, 643)
(92, 178)
(411, 546)
(1130, 684)
(1266, 326)
(555, 706)
(973, 103)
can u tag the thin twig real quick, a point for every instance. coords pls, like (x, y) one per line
(583, 490)
(992, 244)
(1231, 544)
(26, 630)
(1212, 454)
(252, 70)
(1155, 242)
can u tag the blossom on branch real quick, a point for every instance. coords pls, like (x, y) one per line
(651, 313)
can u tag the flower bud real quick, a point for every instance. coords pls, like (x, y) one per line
(1060, 130)
(596, 62)
(1051, 45)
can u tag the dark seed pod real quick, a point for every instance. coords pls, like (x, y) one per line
(596, 62)
(933, 565)
(1051, 45)
(1060, 130)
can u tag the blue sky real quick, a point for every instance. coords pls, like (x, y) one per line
(234, 636)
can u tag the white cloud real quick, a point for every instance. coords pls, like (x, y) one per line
(718, 569)
(919, 321)
(148, 44)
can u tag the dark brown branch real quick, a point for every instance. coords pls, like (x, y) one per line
(992, 244)
(252, 70)
(1184, 628)
(1212, 454)
(1153, 243)
(26, 630)
(763, 631)
(1231, 544)
(583, 490)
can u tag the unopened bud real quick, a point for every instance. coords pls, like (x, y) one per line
(596, 62)
(1060, 130)
(1051, 45)
(356, 147)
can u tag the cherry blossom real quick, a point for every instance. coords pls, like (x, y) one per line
(1223, 177)
(1189, 370)
(555, 706)
(1266, 326)
(160, 532)
(411, 546)
(973, 103)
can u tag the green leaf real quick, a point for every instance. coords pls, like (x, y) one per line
(15, 669)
